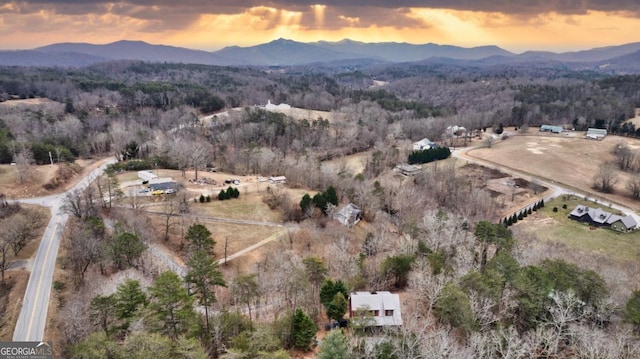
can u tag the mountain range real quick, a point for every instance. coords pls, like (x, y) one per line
(283, 52)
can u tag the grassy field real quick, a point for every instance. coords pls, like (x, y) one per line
(568, 160)
(556, 227)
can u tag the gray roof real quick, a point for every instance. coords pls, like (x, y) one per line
(348, 214)
(600, 216)
(378, 301)
(162, 185)
(628, 221)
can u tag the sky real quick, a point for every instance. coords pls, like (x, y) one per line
(552, 25)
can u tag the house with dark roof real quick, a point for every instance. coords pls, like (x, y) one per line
(601, 218)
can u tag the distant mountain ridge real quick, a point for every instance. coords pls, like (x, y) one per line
(283, 52)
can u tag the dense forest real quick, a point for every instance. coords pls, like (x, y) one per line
(474, 288)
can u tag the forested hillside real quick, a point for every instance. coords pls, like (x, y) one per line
(470, 288)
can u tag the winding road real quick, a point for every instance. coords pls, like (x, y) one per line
(33, 314)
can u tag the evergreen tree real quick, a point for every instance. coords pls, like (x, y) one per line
(126, 248)
(102, 312)
(320, 202)
(129, 299)
(172, 306)
(632, 310)
(331, 196)
(205, 276)
(304, 331)
(335, 346)
(199, 238)
(337, 307)
(305, 203)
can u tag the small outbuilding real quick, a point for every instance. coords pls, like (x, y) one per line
(550, 128)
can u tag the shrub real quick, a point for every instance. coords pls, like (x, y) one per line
(555, 209)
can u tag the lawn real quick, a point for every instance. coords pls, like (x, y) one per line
(248, 206)
(556, 227)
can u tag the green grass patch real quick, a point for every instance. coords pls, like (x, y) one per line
(618, 246)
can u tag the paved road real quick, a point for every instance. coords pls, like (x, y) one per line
(33, 314)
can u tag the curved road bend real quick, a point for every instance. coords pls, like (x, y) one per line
(33, 314)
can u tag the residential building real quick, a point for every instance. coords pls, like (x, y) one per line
(382, 307)
(601, 218)
(348, 215)
(424, 144)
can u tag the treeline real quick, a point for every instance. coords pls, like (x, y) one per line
(429, 155)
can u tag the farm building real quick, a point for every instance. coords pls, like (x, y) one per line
(146, 176)
(348, 215)
(280, 107)
(424, 144)
(383, 307)
(162, 186)
(596, 133)
(600, 218)
(277, 179)
(550, 128)
(408, 170)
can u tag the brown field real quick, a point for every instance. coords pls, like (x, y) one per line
(39, 175)
(569, 161)
(29, 102)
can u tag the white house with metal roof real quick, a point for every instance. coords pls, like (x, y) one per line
(383, 307)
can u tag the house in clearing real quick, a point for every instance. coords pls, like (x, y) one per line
(277, 179)
(146, 176)
(600, 218)
(408, 170)
(382, 307)
(596, 134)
(550, 128)
(424, 144)
(348, 215)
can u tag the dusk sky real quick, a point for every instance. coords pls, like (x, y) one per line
(555, 25)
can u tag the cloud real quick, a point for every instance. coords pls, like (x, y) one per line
(367, 12)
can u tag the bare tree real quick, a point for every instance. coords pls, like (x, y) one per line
(170, 210)
(199, 156)
(80, 203)
(23, 160)
(23, 228)
(5, 248)
(606, 178)
(83, 247)
(625, 156)
(633, 186)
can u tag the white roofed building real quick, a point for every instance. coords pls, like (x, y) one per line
(382, 307)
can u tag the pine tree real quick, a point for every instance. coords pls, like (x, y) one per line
(304, 331)
(335, 346)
